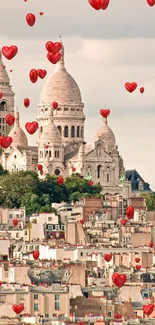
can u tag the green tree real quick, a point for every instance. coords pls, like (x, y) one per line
(2, 171)
(149, 200)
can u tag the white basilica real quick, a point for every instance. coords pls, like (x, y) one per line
(61, 143)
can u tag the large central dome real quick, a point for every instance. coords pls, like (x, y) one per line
(61, 87)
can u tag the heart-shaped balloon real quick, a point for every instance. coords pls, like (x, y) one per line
(90, 183)
(36, 255)
(82, 221)
(123, 222)
(60, 180)
(130, 212)
(5, 142)
(148, 309)
(151, 245)
(142, 90)
(105, 112)
(118, 316)
(41, 73)
(151, 3)
(137, 259)
(138, 267)
(33, 75)
(53, 47)
(130, 86)
(55, 105)
(1, 283)
(9, 52)
(39, 167)
(30, 18)
(31, 127)
(99, 4)
(54, 58)
(1, 94)
(119, 279)
(107, 257)
(26, 102)
(9, 119)
(41, 13)
(15, 222)
(18, 308)
(73, 169)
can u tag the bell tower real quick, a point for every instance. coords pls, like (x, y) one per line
(7, 100)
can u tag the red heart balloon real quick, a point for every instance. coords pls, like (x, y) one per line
(15, 222)
(148, 309)
(130, 86)
(9, 52)
(107, 257)
(18, 308)
(151, 245)
(137, 259)
(26, 102)
(55, 105)
(130, 212)
(118, 316)
(41, 13)
(5, 142)
(1, 283)
(33, 75)
(9, 119)
(60, 180)
(98, 4)
(105, 112)
(138, 267)
(105, 4)
(1, 94)
(82, 221)
(31, 127)
(90, 183)
(53, 47)
(30, 18)
(46, 146)
(73, 169)
(39, 167)
(142, 90)
(151, 3)
(54, 58)
(119, 279)
(41, 73)
(36, 255)
(123, 222)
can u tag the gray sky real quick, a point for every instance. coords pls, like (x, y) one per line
(103, 50)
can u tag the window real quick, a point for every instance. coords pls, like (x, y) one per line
(10, 216)
(146, 295)
(140, 186)
(50, 154)
(81, 253)
(65, 109)
(49, 218)
(78, 132)
(57, 302)
(72, 132)
(22, 296)
(41, 154)
(108, 178)
(50, 227)
(57, 227)
(62, 227)
(99, 171)
(41, 129)
(109, 313)
(17, 235)
(25, 232)
(15, 157)
(82, 132)
(66, 132)
(57, 172)
(35, 297)
(17, 215)
(2, 299)
(60, 129)
(36, 307)
(3, 106)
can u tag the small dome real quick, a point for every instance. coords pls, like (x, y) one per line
(17, 134)
(61, 87)
(50, 133)
(106, 135)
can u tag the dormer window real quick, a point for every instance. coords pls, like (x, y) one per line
(141, 186)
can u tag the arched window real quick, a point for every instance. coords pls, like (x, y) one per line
(78, 132)
(60, 129)
(66, 132)
(72, 132)
(99, 171)
(82, 132)
(108, 178)
(57, 154)
(50, 154)
(41, 129)
(3, 106)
